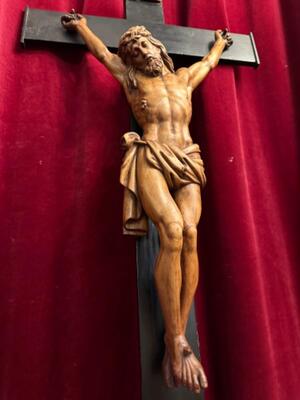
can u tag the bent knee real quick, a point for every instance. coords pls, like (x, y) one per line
(190, 237)
(171, 235)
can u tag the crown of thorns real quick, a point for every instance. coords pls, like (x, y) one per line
(133, 33)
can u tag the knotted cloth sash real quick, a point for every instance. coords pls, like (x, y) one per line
(179, 167)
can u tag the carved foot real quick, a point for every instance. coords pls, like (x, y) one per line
(181, 366)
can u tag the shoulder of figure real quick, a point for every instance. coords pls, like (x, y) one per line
(182, 73)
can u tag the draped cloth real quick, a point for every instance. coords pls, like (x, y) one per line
(179, 167)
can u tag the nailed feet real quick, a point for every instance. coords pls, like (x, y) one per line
(181, 366)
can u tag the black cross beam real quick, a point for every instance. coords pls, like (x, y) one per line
(44, 26)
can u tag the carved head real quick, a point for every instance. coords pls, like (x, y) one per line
(139, 50)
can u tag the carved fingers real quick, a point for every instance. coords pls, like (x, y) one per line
(225, 36)
(71, 20)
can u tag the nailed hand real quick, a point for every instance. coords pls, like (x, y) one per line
(71, 20)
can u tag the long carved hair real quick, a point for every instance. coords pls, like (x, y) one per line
(124, 51)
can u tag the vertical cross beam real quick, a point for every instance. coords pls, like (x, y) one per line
(144, 11)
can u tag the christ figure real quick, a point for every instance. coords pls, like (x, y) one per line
(162, 173)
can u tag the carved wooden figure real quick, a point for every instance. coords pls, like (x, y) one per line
(162, 173)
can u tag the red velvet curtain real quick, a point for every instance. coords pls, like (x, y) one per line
(68, 307)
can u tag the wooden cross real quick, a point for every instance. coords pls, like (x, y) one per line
(45, 26)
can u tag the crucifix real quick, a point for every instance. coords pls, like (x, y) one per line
(162, 170)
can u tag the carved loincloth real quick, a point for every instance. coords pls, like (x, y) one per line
(180, 167)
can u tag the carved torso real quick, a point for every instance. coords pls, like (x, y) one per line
(162, 107)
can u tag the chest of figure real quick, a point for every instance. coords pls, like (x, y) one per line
(162, 99)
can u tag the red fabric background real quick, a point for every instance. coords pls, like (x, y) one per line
(68, 305)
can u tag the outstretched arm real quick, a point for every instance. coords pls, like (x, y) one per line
(113, 63)
(198, 71)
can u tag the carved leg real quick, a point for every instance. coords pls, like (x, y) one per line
(162, 209)
(181, 364)
(188, 200)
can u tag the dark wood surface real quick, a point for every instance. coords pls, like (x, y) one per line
(144, 11)
(45, 26)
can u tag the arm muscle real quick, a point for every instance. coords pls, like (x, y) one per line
(111, 61)
(198, 71)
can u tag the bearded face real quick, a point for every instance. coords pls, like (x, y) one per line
(154, 66)
(145, 57)
(141, 52)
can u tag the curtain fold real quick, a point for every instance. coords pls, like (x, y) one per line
(68, 306)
